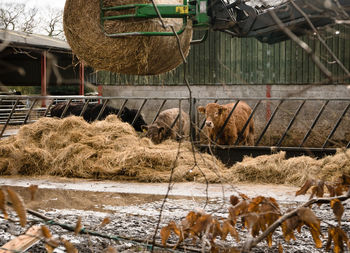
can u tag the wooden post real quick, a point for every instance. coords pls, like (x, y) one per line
(43, 77)
(81, 78)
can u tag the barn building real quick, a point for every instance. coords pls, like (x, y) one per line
(39, 64)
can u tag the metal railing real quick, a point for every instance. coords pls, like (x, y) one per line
(287, 122)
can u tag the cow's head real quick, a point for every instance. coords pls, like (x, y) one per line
(213, 114)
(154, 132)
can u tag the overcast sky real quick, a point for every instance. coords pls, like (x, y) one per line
(41, 3)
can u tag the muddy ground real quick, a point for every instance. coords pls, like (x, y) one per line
(134, 208)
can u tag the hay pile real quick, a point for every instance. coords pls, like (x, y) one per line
(128, 55)
(111, 149)
(108, 149)
(276, 169)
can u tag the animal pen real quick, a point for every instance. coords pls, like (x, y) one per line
(298, 126)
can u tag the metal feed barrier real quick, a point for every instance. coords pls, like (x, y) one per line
(298, 126)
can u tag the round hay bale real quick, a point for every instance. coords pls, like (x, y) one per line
(140, 55)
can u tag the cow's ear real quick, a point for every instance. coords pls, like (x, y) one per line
(144, 128)
(161, 129)
(201, 109)
(221, 109)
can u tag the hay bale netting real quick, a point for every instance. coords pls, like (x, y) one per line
(127, 55)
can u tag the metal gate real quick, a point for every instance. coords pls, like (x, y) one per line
(316, 126)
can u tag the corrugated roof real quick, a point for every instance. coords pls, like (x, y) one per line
(16, 38)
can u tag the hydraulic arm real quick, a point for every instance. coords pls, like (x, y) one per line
(237, 18)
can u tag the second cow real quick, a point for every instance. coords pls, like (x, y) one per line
(161, 129)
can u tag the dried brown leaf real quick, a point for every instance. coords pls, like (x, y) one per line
(228, 228)
(339, 190)
(51, 244)
(254, 204)
(331, 232)
(69, 247)
(313, 191)
(3, 202)
(234, 200)
(307, 216)
(280, 248)
(331, 190)
(338, 209)
(308, 183)
(46, 232)
(78, 226)
(339, 237)
(320, 188)
(243, 196)
(110, 249)
(33, 190)
(18, 206)
(192, 217)
(201, 224)
(251, 221)
(164, 234)
(238, 209)
(105, 221)
(345, 179)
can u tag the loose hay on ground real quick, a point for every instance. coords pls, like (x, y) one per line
(108, 149)
(140, 55)
(111, 149)
(277, 169)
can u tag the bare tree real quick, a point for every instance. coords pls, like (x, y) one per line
(18, 17)
(29, 20)
(10, 14)
(53, 23)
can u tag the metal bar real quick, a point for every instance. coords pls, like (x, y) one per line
(139, 111)
(48, 108)
(102, 109)
(84, 107)
(160, 108)
(226, 121)
(170, 98)
(205, 36)
(336, 125)
(9, 118)
(248, 120)
(314, 123)
(290, 123)
(203, 123)
(122, 108)
(66, 108)
(269, 122)
(29, 111)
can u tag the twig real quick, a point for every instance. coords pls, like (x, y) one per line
(303, 46)
(248, 245)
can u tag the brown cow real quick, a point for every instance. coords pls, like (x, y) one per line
(215, 116)
(160, 129)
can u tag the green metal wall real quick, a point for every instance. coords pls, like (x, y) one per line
(225, 60)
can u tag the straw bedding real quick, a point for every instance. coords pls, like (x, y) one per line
(111, 149)
(127, 55)
(108, 149)
(293, 171)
